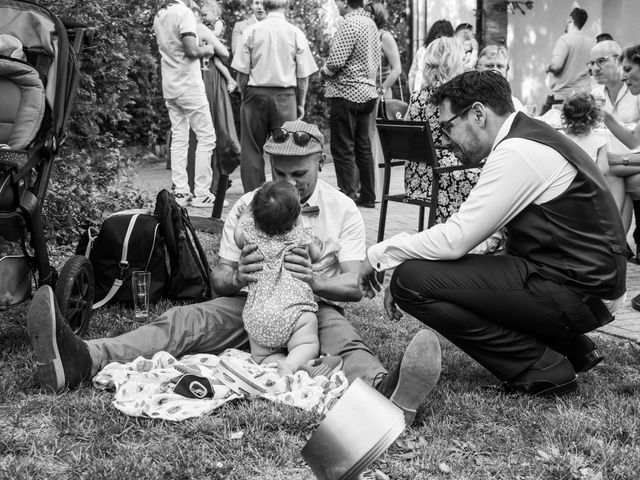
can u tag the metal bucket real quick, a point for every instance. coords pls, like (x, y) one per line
(355, 432)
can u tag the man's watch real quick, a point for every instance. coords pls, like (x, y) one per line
(625, 160)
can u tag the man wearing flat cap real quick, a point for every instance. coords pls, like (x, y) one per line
(296, 156)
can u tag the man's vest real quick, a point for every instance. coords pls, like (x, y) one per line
(576, 239)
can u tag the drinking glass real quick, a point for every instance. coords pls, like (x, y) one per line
(141, 283)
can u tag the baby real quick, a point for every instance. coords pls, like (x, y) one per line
(210, 13)
(279, 314)
(580, 115)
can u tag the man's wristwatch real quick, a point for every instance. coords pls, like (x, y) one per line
(625, 160)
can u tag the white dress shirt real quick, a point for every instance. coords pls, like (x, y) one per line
(517, 172)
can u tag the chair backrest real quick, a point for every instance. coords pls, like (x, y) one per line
(406, 141)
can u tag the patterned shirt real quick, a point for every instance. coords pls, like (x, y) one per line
(354, 59)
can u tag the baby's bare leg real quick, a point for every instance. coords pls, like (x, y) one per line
(262, 354)
(303, 345)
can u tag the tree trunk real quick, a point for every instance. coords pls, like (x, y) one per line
(491, 22)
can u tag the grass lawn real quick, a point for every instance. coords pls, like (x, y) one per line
(461, 431)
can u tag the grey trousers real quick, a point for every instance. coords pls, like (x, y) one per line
(213, 326)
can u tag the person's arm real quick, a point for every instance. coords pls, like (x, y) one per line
(629, 137)
(207, 36)
(602, 160)
(340, 51)
(193, 50)
(230, 277)
(558, 58)
(301, 95)
(413, 71)
(243, 82)
(390, 51)
(342, 287)
(236, 37)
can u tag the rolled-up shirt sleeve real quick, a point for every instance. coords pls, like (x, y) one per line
(507, 184)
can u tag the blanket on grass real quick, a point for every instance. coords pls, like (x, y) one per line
(145, 387)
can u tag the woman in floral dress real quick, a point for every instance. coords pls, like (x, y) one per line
(444, 59)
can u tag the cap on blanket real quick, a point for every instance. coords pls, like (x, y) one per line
(289, 148)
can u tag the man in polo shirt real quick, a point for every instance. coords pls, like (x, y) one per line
(274, 63)
(296, 151)
(350, 72)
(523, 315)
(186, 100)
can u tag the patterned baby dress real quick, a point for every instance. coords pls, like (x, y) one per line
(277, 299)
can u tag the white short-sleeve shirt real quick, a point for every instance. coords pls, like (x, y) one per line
(339, 225)
(179, 72)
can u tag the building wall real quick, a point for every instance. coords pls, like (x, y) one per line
(531, 37)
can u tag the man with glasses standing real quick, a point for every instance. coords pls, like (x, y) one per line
(567, 68)
(522, 315)
(296, 151)
(274, 63)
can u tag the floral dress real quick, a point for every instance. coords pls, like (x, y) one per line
(277, 299)
(454, 186)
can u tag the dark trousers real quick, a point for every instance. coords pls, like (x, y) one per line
(636, 230)
(351, 147)
(262, 110)
(495, 310)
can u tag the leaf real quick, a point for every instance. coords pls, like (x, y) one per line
(544, 455)
(444, 468)
(237, 435)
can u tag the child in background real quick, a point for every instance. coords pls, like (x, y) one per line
(210, 13)
(279, 314)
(580, 116)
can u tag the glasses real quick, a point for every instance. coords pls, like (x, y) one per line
(447, 125)
(600, 61)
(302, 139)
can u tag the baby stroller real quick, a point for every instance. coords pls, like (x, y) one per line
(38, 82)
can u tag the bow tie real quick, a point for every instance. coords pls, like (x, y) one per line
(309, 210)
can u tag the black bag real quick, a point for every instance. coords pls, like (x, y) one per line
(189, 276)
(391, 109)
(127, 241)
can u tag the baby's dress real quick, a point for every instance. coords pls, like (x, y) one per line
(277, 299)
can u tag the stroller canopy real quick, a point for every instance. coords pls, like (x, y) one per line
(46, 46)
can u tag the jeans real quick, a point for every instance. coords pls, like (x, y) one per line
(351, 147)
(213, 326)
(191, 110)
(495, 309)
(263, 109)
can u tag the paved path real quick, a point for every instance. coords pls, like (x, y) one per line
(400, 217)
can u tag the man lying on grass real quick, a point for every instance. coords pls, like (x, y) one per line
(296, 150)
(523, 315)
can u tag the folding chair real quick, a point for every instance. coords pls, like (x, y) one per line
(409, 141)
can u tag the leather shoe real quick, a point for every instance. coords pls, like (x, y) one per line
(555, 377)
(62, 359)
(409, 383)
(635, 302)
(584, 363)
(365, 203)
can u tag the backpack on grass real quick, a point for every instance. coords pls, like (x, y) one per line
(189, 276)
(126, 242)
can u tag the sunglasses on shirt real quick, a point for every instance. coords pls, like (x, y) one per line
(302, 139)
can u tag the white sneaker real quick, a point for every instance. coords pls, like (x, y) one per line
(183, 199)
(206, 201)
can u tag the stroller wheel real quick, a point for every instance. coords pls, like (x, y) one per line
(74, 293)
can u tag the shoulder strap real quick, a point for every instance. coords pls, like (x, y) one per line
(124, 265)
